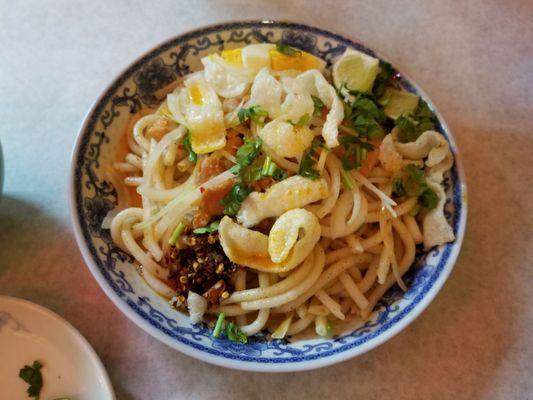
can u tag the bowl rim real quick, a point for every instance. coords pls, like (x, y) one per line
(251, 365)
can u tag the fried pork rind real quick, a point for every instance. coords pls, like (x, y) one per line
(291, 239)
(293, 192)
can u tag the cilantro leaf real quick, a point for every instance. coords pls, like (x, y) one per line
(415, 183)
(279, 174)
(233, 200)
(307, 164)
(368, 127)
(32, 375)
(410, 127)
(412, 183)
(287, 50)
(188, 146)
(355, 151)
(319, 105)
(397, 188)
(246, 155)
(251, 174)
(255, 113)
(429, 199)
(234, 333)
(212, 227)
(406, 129)
(364, 112)
(383, 79)
(270, 169)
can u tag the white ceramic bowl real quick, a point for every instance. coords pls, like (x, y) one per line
(92, 197)
(71, 368)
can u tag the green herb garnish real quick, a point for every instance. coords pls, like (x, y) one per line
(246, 155)
(428, 199)
(308, 162)
(187, 144)
(411, 126)
(234, 333)
(212, 227)
(270, 169)
(255, 113)
(383, 80)
(364, 113)
(412, 183)
(176, 234)
(347, 180)
(287, 50)
(355, 151)
(248, 152)
(319, 105)
(304, 119)
(248, 173)
(251, 174)
(219, 325)
(233, 200)
(32, 376)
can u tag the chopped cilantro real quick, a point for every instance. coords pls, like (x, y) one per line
(255, 113)
(212, 227)
(247, 173)
(176, 234)
(383, 79)
(355, 151)
(32, 376)
(307, 164)
(429, 199)
(270, 169)
(287, 50)
(319, 105)
(234, 333)
(397, 188)
(219, 325)
(368, 127)
(364, 113)
(410, 127)
(187, 144)
(233, 200)
(412, 183)
(251, 174)
(246, 154)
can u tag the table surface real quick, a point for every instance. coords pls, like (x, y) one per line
(473, 58)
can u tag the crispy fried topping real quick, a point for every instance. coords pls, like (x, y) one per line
(202, 267)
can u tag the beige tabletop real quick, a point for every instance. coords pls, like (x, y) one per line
(474, 58)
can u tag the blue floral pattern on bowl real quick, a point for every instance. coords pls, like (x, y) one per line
(93, 196)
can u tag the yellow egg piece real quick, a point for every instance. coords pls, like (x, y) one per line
(195, 95)
(233, 56)
(301, 61)
(204, 116)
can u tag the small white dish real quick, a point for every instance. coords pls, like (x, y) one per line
(71, 368)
